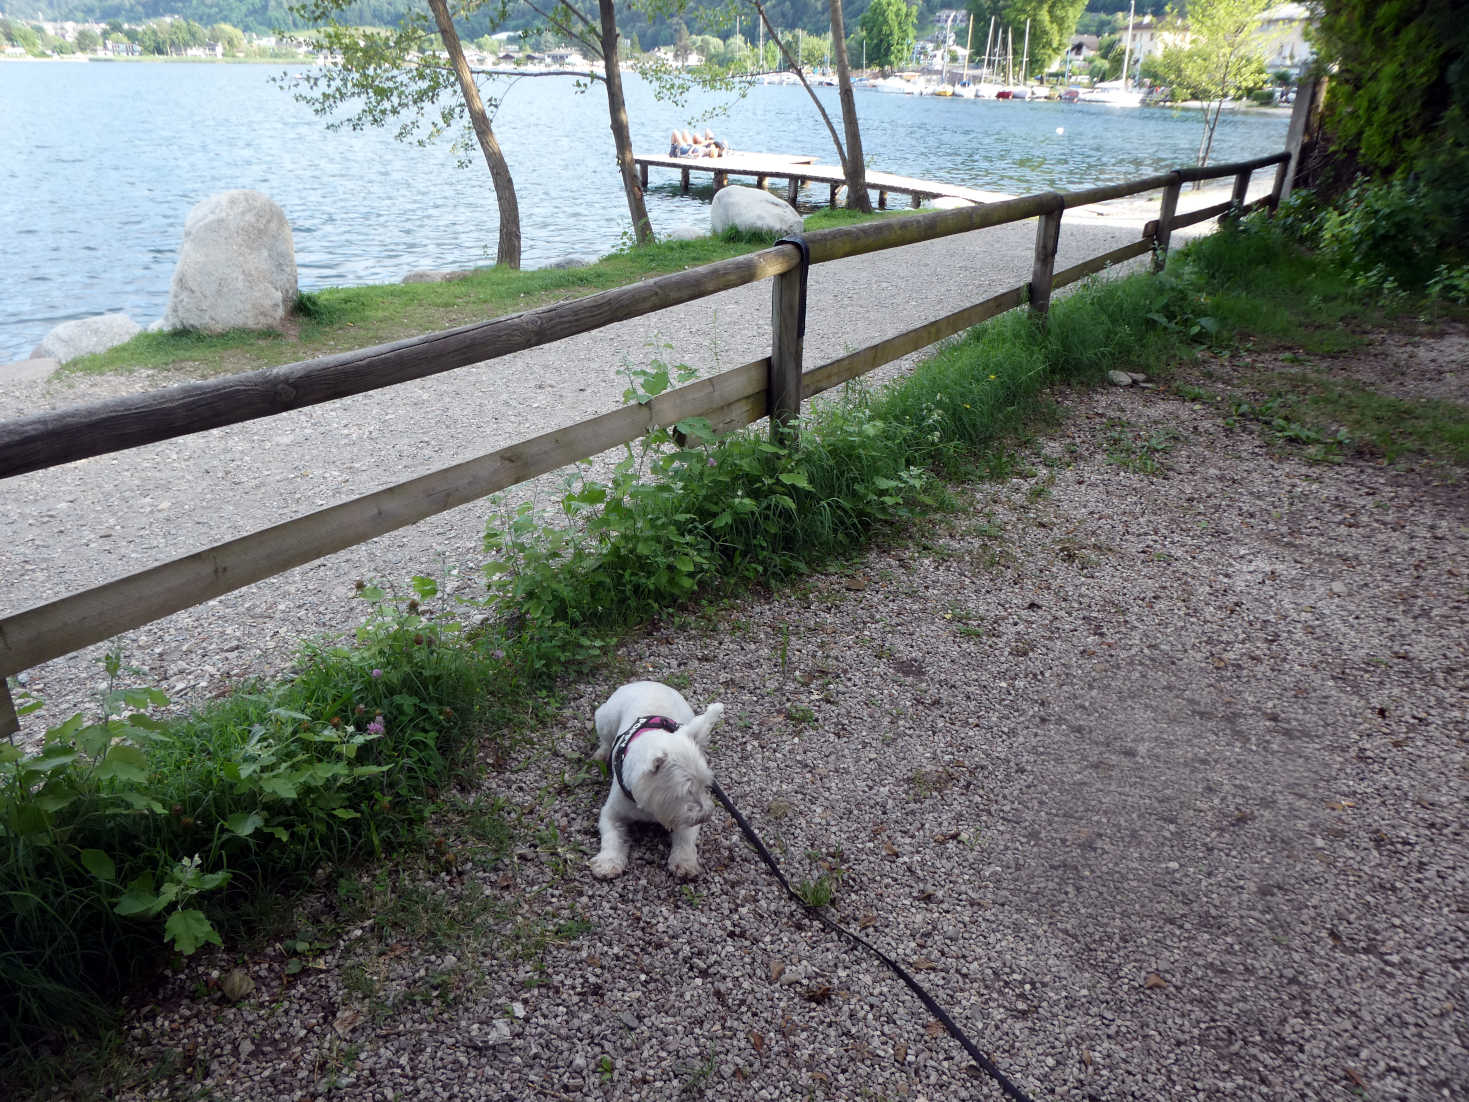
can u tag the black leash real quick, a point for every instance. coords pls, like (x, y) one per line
(902, 973)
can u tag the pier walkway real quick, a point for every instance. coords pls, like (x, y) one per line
(798, 170)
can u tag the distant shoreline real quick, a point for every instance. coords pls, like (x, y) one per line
(155, 59)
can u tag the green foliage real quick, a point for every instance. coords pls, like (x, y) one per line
(1052, 23)
(125, 837)
(1378, 235)
(888, 26)
(387, 75)
(1400, 88)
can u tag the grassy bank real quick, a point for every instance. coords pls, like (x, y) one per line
(129, 841)
(340, 319)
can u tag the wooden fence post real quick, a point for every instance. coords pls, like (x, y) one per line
(787, 332)
(9, 721)
(1278, 188)
(1305, 127)
(1047, 237)
(1166, 210)
(1238, 196)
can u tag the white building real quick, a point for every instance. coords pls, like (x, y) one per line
(1283, 28)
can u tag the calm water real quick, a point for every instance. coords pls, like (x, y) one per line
(100, 164)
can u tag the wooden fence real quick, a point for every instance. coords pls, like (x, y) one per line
(772, 386)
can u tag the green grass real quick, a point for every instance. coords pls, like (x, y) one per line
(341, 319)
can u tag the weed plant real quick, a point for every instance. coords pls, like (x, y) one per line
(125, 837)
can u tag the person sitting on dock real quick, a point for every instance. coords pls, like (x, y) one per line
(720, 148)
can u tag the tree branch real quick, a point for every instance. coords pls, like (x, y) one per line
(560, 25)
(800, 75)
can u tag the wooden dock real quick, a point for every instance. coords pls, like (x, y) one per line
(799, 170)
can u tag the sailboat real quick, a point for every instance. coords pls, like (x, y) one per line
(1117, 93)
(1022, 89)
(985, 87)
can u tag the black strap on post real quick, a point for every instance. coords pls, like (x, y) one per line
(799, 242)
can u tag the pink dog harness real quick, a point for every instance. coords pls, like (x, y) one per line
(619, 748)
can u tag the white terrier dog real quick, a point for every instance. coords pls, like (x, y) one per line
(655, 745)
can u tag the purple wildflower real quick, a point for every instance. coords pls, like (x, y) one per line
(377, 673)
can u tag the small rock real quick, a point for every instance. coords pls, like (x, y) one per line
(1119, 378)
(86, 337)
(629, 1019)
(236, 985)
(430, 275)
(499, 1033)
(518, 1009)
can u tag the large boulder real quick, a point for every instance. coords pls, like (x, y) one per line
(86, 336)
(236, 268)
(752, 210)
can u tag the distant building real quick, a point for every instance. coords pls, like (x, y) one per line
(1284, 29)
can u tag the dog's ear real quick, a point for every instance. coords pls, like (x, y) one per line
(658, 763)
(699, 727)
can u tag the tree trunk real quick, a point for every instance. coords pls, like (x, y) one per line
(508, 253)
(856, 167)
(621, 136)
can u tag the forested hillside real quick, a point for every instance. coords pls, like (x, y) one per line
(265, 16)
(700, 17)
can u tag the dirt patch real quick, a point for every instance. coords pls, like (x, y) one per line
(1429, 364)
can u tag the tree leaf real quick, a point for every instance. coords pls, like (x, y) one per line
(99, 864)
(124, 763)
(797, 477)
(244, 823)
(189, 929)
(139, 897)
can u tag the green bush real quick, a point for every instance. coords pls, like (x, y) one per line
(121, 837)
(1379, 234)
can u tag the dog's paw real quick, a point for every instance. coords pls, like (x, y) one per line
(605, 867)
(684, 869)
(601, 754)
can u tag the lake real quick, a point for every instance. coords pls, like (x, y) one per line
(100, 164)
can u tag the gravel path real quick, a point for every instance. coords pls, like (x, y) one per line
(1158, 782)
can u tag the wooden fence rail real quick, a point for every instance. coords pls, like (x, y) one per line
(773, 386)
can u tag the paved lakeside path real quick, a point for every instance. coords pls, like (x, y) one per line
(85, 523)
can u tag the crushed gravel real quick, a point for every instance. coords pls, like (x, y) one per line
(1157, 781)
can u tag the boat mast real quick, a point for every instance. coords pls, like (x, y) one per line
(1025, 57)
(988, 42)
(1010, 59)
(944, 61)
(968, 41)
(1127, 50)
